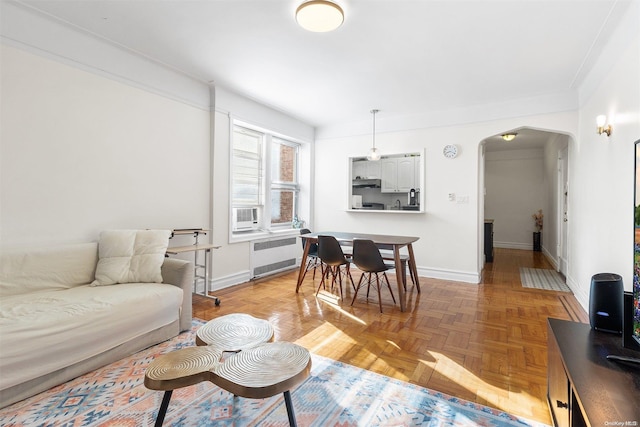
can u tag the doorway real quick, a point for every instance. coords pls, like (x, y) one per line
(518, 179)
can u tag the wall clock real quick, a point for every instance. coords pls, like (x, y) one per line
(450, 151)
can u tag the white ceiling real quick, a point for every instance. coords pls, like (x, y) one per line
(402, 57)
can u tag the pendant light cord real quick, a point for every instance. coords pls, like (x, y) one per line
(374, 127)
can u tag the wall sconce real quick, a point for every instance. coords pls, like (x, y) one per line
(601, 121)
(508, 136)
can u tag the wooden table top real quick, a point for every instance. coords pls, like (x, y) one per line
(381, 239)
(264, 371)
(234, 332)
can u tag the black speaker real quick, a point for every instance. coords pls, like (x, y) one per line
(605, 303)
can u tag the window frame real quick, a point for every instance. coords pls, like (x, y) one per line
(293, 186)
(265, 226)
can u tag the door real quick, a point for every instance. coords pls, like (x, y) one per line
(563, 197)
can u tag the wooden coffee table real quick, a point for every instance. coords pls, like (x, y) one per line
(255, 369)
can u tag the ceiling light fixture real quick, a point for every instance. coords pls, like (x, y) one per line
(508, 136)
(601, 121)
(374, 154)
(319, 16)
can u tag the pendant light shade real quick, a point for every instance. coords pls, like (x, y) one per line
(374, 154)
(319, 16)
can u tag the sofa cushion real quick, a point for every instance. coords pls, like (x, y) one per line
(131, 256)
(46, 331)
(26, 270)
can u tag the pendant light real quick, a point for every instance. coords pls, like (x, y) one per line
(374, 154)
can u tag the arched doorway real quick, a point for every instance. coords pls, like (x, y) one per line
(517, 179)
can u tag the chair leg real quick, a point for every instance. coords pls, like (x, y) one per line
(339, 272)
(353, 285)
(379, 293)
(325, 274)
(357, 288)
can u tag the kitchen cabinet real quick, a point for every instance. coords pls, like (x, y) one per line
(365, 169)
(398, 174)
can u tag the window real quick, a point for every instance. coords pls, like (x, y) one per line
(264, 164)
(247, 167)
(284, 182)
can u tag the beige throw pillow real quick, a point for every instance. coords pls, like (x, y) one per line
(131, 256)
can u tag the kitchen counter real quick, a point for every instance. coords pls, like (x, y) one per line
(387, 211)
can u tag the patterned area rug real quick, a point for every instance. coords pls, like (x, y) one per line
(541, 278)
(335, 394)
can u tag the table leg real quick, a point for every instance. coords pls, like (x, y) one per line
(398, 262)
(163, 408)
(412, 266)
(289, 405)
(303, 264)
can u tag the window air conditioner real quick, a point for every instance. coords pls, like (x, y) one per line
(245, 219)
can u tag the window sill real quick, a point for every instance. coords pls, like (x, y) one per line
(262, 234)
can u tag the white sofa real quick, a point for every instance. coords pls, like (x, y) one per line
(56, 325)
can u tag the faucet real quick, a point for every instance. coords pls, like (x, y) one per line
(398, 204)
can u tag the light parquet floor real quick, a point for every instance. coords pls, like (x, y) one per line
(484, 343)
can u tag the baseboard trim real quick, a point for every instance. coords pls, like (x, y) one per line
(230, 280)
(513, 245)
(456, 276)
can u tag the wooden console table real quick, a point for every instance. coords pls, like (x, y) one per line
(195, 248)
(584, 387)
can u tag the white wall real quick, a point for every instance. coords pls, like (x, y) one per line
(81, 153)
(601, 168)
(449, 232)
(516, 189)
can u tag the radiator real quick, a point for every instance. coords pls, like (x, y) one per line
(275, 255)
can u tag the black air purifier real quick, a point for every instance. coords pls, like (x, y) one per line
(605, 303)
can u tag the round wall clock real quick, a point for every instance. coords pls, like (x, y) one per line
(450, 151)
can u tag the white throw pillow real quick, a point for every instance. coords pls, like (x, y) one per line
(131, 256)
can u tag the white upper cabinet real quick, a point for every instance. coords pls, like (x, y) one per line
(406, 174)
(398, 174)
(365, 169)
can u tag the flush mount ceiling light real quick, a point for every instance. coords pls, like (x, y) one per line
(508, 136)
(319, 16)
(374, 154)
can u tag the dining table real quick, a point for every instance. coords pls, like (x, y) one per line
(383, 242)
